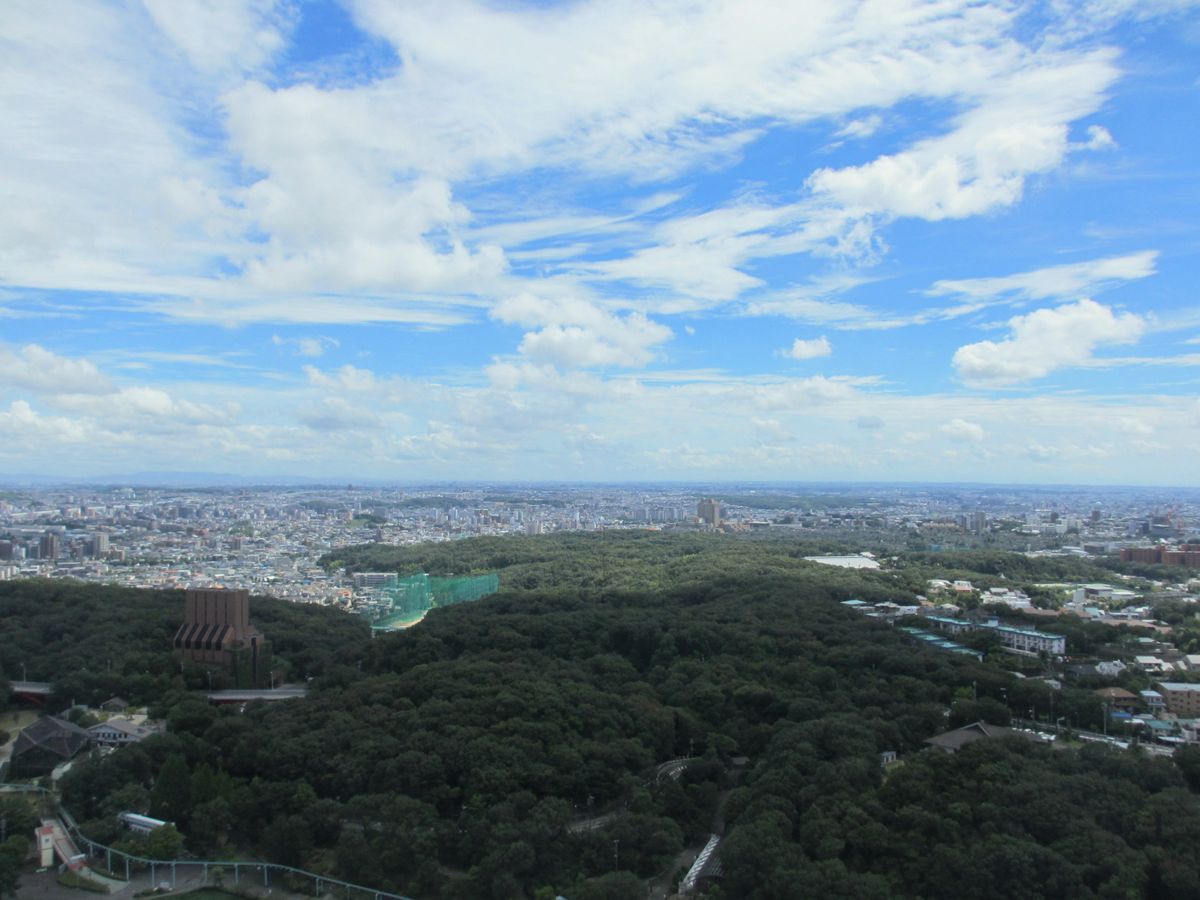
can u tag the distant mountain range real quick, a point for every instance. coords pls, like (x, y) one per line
(162, 479)
(225, 479)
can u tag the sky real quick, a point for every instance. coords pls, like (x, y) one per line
(630, 240)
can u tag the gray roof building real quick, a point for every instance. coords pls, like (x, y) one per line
(953, 741)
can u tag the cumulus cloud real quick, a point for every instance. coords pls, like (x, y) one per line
(811, 349)
(1044, 341)
(39, 370)
(1099, 138)
(20, 424)
(1017, 127)
(962, 430)
(156, 403)
(869, 423)
(143, 405)
(575, 333)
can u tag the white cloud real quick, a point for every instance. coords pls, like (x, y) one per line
(771, 430)
(348, 378)
(573, 79)
(102, 181)
(801, 393)
(1044, 341)
(385, 199)
(962, 430)
(698, 256)
(21, 425)
(37, 369)
(1042, 453)
(143, 407)
(224, 37)
(1099, 138)
(1065, 282)
(814, 303)
(1089, 17)
(1018, 127)
(811, 349)
(575, 333)
(307, 346)
(1134, 425)
(861, 128)
(335, 414)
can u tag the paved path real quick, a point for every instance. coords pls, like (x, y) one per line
(45, 886)
(593, 823)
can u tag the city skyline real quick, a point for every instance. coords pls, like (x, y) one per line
(602, 242)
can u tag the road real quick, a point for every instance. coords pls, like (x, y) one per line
(1093, 737)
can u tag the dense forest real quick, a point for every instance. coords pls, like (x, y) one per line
(94, 642)
(510, 747)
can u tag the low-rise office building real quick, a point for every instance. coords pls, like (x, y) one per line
(1181, 699)
(1023, 640)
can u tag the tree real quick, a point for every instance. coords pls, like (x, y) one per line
(164, 842)
(355, 859)
(17, 815)
(1187, 758)
(130, 798)
(171, 798)
(210, 826)
(12, 856)
(613, 886)
(288, 840)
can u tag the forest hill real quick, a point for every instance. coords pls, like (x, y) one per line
(453, 763)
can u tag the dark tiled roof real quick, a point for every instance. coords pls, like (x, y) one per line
(976, 731)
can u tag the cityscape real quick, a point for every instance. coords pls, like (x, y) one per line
(271, 539)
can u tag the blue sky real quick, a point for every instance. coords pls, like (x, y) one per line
(950, 241)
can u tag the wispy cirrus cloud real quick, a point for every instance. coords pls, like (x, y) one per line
(1066, 282)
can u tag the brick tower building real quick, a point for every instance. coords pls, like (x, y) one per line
(216, 632)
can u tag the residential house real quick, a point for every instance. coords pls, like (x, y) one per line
(1118, 699)
(1153, 701)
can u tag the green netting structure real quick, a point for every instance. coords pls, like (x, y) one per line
(412, 596)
